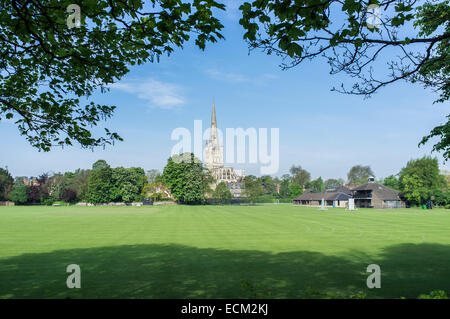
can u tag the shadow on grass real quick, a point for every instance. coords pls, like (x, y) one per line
(175, 271)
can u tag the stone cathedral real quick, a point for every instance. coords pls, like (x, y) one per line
(214, 161)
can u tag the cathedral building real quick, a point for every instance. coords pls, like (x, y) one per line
(214, 161)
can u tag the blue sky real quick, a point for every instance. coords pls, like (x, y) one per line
(325, 132)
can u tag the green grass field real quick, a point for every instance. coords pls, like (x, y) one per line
(206, 251)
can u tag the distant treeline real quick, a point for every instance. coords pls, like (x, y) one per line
(189, 182)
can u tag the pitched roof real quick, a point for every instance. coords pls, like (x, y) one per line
(325, 196)
(340, 196)
(341, 189)
(383, 192)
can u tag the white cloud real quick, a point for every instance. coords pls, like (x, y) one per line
(156, 93)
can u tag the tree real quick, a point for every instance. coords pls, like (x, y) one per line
(156, 191)
(317, 185)
(40, 192)
(99, 165)
(222, 193)
(295, 190)
(303, 30)
(56, 185)
(268, 184)
(43, 180)
(446, 174)
(413, 189)
(153, 176)
(128, 182)
(34, 194)
(284, 186)
(392, 182)
(101, 187)
(359, 175)
(207, 181)
(64, 186)
(442, 198)
(68, 195)
(19, 194)
(186, 178)
(6, 183)
(128, 192)
(333, 183)
(19, 180)
(79, 183)
(443, 133)
(252, 188)
(47, 66)
(299, 175)
(420, 180)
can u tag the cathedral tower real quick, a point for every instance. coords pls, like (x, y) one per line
(214, 160)
(214, 147)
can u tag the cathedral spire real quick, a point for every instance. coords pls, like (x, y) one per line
(214, 148)
(213, 117)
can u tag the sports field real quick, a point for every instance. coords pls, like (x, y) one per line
(208, 251)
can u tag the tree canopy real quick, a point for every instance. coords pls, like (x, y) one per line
(128, 183)
(101, 186)
(295, 190)
(375, 42)
(299, 175)
(187, 178)
(392, 182)
(19, 194)
(222, 193)
(117, 184)
(442, 132)
(317, 185)
(6, 183)
(99, 165)
(359, 175)
(49, 71)
(421, 179)
(333, 183)
(339, 31)
(153, 176)
(253, 188)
